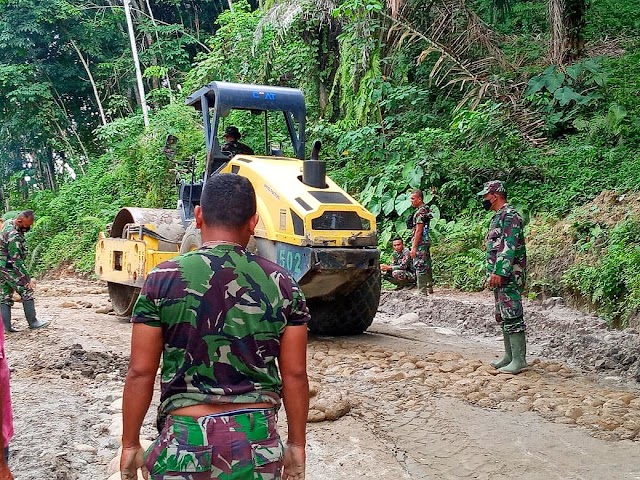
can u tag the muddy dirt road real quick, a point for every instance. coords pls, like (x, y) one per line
(414, 398)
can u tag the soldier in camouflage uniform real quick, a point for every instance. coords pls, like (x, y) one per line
(400, 272)
(231, 327)
(506, 272)
(420, 243)
(15, 278)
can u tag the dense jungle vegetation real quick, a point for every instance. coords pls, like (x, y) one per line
(441, 94)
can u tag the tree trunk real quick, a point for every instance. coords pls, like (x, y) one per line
(85, 64)
(49, 170)
(567, 21)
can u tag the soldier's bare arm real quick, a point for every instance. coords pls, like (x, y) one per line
(295, 396)
(146, 348)
(417, 238)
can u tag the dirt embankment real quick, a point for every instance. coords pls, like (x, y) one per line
(581, 237)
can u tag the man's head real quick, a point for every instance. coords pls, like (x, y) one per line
(398, 244)
(494, 195)
(24, 220)
(228, 202)
(416, 198)
(232, 134)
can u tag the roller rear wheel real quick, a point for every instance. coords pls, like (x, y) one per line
(123, 298)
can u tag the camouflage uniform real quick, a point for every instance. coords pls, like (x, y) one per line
(402, 269)
(13, 253)
(507, 257)
(242, 445)
(422, 260)
(223, 311)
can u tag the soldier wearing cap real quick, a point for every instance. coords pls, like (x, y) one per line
(506, 271)
(232, 142)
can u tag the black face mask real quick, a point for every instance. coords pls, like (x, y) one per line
(486, 204)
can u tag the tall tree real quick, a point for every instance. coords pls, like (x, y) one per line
(567, 21)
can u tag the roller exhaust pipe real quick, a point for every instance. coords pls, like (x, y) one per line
(314, 170)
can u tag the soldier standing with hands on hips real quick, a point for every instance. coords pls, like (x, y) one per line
(506, 272)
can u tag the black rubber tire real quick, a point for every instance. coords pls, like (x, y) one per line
(348, 315)
(123, 298)
(192, 239)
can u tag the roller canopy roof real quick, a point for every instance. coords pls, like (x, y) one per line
(226, 96)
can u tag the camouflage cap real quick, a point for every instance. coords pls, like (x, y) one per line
(493, 186)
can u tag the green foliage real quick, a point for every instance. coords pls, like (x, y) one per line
(610, 18)
(459, 259)
(134, 173)
(234, 56)
(565, 95)
(613, 283)
(386, 127)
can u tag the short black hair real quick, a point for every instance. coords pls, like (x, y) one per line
(418, 192)
(227, 200)
(397, 238)
(27, 214)
(233, 131)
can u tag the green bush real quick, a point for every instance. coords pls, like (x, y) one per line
(612, 284)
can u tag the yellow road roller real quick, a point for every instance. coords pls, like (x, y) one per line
(308, 224)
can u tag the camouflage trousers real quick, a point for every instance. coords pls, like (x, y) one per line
(10, 284)
(422, 262)
(509, 308)
(242, 445)
(400, 277)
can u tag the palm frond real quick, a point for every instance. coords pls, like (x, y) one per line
(467, 53)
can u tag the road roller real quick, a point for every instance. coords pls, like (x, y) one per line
(308, 224)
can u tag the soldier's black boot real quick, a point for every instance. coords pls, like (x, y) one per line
(506, 359)
(5, 311)
(30, 312)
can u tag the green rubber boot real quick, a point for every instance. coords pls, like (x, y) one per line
(506, 359)
(29, 307)
(5, 310)
(422, 281)
(518, 353)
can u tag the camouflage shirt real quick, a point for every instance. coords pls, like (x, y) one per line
(402, 261)
(422, 216)
(506, 251)
(13, 253)
(222, 312)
